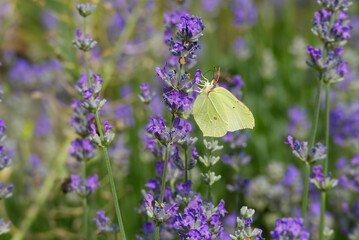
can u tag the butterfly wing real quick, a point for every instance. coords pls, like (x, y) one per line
(238, 115)
(210, 116)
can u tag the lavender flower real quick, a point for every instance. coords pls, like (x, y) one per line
(3, 128)
(85, 44)
(170, 23)
(146, 96)
(301, 151)
(321, 182)
(177, 102)
(5, 192)
(163, 134)
(188, 34)
(5, 158)
(245, 230)
(335, 5)
(43, 126)
(200, 221)
(159, 213)
(237, 139)
(210, 5)
(245, 12)
(4, 226)
(84, 188)
(116, 24)
(82, 149)
(241, 49)
(34, 76)
(315, 55)
(124, 116)
(81, 118)
(49, 20)
(90, 91)
(85, 9)
(108, 136)
(344, 123)
(102, 223)
(236, 161)
(289, 228)
(338, 33)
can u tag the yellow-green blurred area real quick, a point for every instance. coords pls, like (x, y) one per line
(269, 53)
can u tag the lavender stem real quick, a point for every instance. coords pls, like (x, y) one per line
(163, 185)
(111, 179)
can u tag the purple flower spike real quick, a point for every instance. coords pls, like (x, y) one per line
(190, 25)
(317, 170)
(315, 53)
(84, 189)
(108, 127)
(102, 223)
(290, 142)
(79, 33)
(93, 129)
(289, 228)
(92, 182)
(4, 226)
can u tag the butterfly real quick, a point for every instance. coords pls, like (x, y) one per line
(217, 111)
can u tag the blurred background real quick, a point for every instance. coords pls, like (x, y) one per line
(262, 41)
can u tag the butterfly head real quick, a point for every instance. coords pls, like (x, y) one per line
(206, 85)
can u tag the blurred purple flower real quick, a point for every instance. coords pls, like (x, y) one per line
(124, 114)
(84, 188)
(49, 20)
(298, 121)
(43, 126)
(82, 149)
(289, 228)
(211, 5)
(344, 123)
(102, 223)
(115, 26)
(245, 13)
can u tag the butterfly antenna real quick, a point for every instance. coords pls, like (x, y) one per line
(218, 73)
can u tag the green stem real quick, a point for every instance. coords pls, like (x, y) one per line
(322, 211)
(111, 179)
(86, 60)
(327, 123)
(305, 193)
(185, 165)
(84, 203)
(157, 232)
(163, 185)
(326, 136)
(181, 69)
(209, 192)
(317, 110)
(312, 142)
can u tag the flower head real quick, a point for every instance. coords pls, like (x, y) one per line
(102, 223)
(289, 228)
(84, 188)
